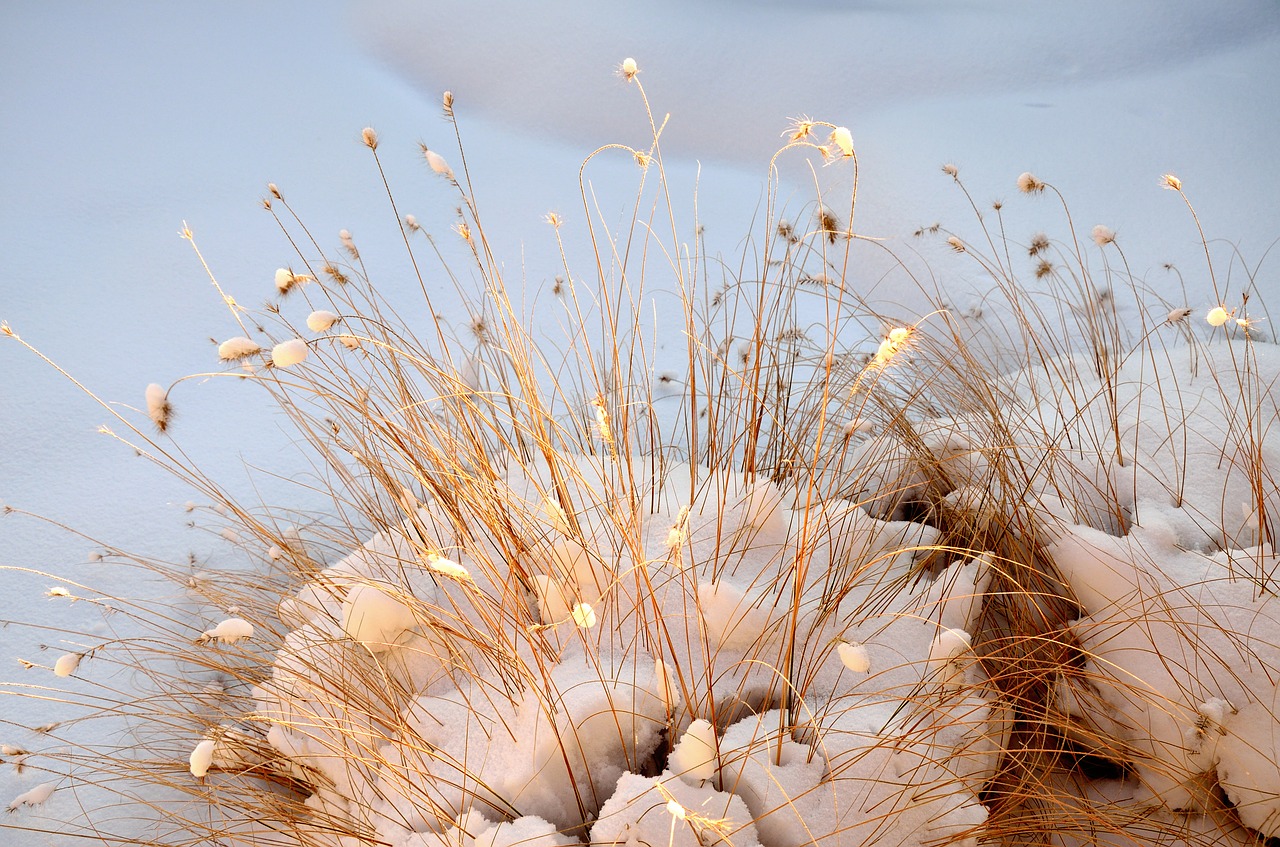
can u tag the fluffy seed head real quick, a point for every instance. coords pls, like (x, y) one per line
(447, 99)
(1171, 182)
(951, 170)
(284, 280)
(289, 353)
(628, 69)
(1103, 235)
(1028, 184)
(956, 244)
(158, 407)
(1177, 316)
(320, 320)
(369, 137)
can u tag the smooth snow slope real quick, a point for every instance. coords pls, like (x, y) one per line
(120, 123)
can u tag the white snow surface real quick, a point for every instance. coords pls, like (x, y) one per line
(127, 121)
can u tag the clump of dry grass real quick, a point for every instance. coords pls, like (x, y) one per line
(532, 547)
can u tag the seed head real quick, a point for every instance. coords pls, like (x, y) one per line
(1171, 182)
(951, 170)
(411, 222)
(1177, 316)
(286, 354)
(1028, 184)
(320, 320)
(369, 137)
(628, 69)
(348, 243)
(67, 664)
(956, 244)
(235, 349)
(1039, 244)
(275, 192)
(1218, 316)
(843, 140)
(158, 407)
(1103, 235)
(448, 102)
(800, 129)
(437, 163)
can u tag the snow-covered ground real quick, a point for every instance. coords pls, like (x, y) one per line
(122, 123)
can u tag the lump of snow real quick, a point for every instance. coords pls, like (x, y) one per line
(320, 320)
(201, 757)
(854, 657)
(230, 631)
(235, 349)
(33, 797)
(289, 353)
(67, 664)
(376, 615)
(694, 757)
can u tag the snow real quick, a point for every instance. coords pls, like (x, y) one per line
(1180, 641)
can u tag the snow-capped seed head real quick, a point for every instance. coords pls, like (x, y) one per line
(320, 320)
(411, 221)
(284, 280)
(1028, 184)
(1103, 235)
(1177, 316)
(351, 342)
(229, 631)
(843, 140)
(676, 810)
(853, 426)
(628, 69)
(1217, 316)
(201, 758)
(1171, 182)
(32, 797)
(275, 552)
(158, 407)
(67, 664)
(583, 615)
(951, 170)
(288, 353)
(437, 163)
(447, 567)
(955, 243)
(59, 591)
(369, 137)
(275, 192)
(447, 100)
(237, 348)
(854, 656)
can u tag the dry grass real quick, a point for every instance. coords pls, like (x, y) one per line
(824, 475)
